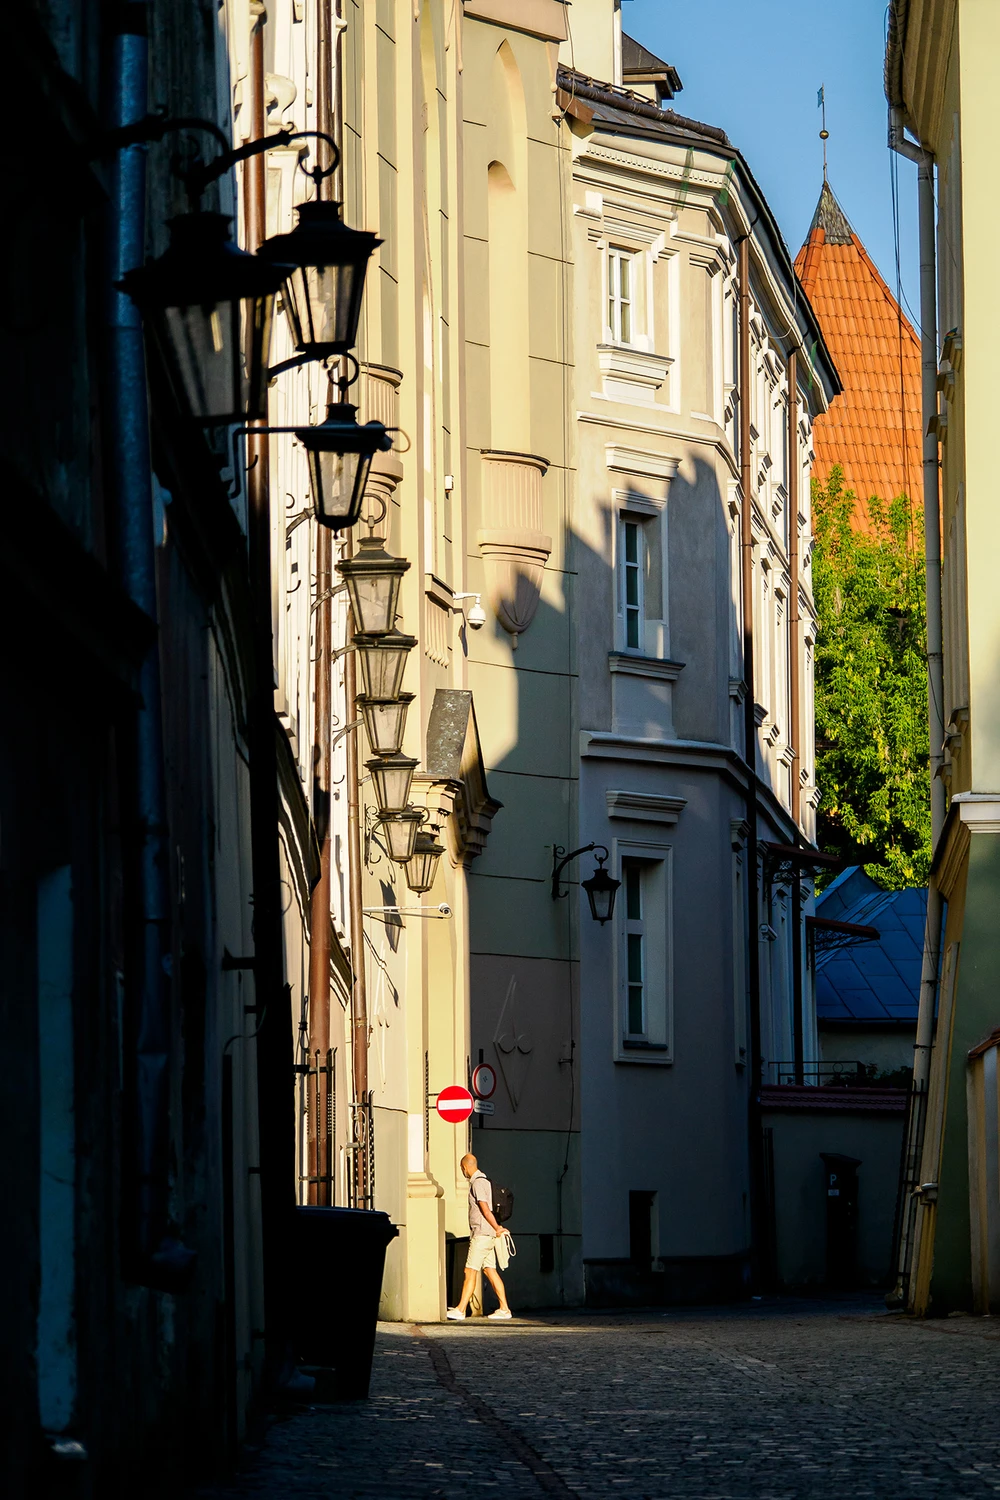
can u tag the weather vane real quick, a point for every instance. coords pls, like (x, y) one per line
(824, 134)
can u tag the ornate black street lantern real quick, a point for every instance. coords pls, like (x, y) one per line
(601, 889)
(340, 453)
(209, 307)
(383, 661)
(373, 577)
(325, 265)
(391, 778)
(385, 721)
(421, 868)
(400, 830)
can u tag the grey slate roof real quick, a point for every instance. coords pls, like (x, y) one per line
(830, 217)
(878, 983)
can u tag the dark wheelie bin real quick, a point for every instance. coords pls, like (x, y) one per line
(339, 1253)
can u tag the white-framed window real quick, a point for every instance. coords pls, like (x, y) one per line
(635, 950)
(641, 591)
(623, 291)
(634, 560)
(644, 1021)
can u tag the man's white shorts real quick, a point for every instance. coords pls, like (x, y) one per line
(482, 1255)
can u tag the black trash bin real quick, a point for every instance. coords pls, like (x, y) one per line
(841, 1219)
(339, 1253)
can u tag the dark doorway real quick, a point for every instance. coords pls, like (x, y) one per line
(640, 1229)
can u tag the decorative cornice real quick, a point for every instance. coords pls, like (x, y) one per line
(657, 667)
(452, 784)
(641, 461)
(644, 807)
(969, 813)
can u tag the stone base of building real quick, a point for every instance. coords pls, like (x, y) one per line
(683, 1281)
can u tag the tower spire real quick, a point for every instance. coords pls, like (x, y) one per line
(824, 134)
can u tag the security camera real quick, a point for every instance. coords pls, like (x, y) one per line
(477, 615)
(444, 910)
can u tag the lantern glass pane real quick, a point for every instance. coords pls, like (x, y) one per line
(400, 834)
(385, 721)
(391, 778)
(422, 868)
(221, 353)
(324, 305)
(383, 661)
(205, 343)
(374, 599)
(335, 480)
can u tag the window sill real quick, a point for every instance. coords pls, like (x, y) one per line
(635, 1045)
(634, 664)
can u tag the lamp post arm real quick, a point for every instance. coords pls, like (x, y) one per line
(197, 178)
(558, 865)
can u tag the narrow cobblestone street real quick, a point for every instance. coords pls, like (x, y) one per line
(781, 1400)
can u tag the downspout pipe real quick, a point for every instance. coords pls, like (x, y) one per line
(321, 1146)
(924, 1041)
(795, 705)
(355, 870)
(274, 1049)
(757, 1206)
(160, 1259)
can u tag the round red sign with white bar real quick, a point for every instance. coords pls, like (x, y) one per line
(454, 1104)
(484, 1081)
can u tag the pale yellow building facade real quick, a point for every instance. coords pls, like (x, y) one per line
(940, 73)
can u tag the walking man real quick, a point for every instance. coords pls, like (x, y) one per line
(484, 1236)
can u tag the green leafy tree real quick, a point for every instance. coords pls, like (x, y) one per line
(871, 686)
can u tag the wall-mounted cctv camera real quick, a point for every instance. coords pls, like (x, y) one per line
(477, 614)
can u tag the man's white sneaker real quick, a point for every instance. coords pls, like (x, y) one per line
(456, 1314)
(500, 1316)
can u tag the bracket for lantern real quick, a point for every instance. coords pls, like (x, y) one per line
(601, 888)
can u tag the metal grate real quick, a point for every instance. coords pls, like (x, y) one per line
(320, 1086)
(361, 1154)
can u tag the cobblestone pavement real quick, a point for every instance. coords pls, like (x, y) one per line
(781, 1400)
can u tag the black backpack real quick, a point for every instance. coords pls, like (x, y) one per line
(503, 1204)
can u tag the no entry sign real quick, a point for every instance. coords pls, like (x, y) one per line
(454, 1104)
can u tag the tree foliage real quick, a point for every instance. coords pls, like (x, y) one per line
(871, 686)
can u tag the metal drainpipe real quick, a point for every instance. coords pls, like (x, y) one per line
(274, 1049)
(162, 1259)
(757, 1207)
(320, 1147)
(795, 707)
(359, 993)
(924, 1040)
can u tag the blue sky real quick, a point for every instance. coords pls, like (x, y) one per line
(754, 67)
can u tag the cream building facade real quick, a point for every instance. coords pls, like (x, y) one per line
(940, 64)
(552, 323)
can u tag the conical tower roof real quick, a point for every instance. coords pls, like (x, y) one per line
(873, 430)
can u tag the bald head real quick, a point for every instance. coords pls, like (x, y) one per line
(468, 1164)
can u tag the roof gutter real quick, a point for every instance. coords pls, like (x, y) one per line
(575, 86)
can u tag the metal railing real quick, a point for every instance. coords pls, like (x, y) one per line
(845, 1074)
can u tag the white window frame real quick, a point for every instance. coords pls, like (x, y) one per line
(656, 1045)
(622, 314)
(650, 516)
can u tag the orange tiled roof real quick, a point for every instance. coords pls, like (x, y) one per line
(868, 430)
